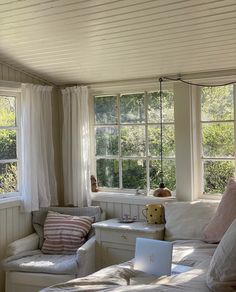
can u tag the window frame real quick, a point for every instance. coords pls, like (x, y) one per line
(189, 183)
(16, 93)
(199, 167)
(147, 158)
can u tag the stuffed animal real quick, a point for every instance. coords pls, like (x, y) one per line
(93, 184)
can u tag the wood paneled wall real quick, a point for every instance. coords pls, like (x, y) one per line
(117, 210)
(13, 223)
(8, 73)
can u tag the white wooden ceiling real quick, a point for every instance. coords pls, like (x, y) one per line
(88, 41)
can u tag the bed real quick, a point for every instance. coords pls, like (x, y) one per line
(210, 265)
(193, 253)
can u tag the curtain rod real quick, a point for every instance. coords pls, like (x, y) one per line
(187, 76)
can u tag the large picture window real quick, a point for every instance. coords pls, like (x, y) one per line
(218, 137)
(127, 138)
(8, 144)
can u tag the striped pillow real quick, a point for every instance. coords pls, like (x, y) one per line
(64, 234)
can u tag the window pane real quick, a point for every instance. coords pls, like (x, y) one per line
(105, 109)
(7, 111)
(132, 108)
(134, 174)
(106, 141)
(133, 141)
(168, 140)
(8, 177)
(168, 171)
(216, 175)
(218, 140)
(7, 144)
(217, 103)
(154, 107)
(108, 173)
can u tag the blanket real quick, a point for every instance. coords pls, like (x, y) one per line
(123, 277)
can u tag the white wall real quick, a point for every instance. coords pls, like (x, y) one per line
(7, 73)
(13, 223)
(116, 205)
(183, 142)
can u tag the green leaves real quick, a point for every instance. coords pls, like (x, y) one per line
(217, 103)
(7, 111)
(132, 108)
(216, 175)
(105, 109)
(8, 170)
(218, 141)
(8, 177)
(7, 144)
(108, 173)
(133, 141)
(106, 141)
(128, 139)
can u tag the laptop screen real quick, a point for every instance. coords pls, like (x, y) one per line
(153, 256)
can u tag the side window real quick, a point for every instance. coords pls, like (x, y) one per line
(9, 133)
(127, 137)
(218, 137)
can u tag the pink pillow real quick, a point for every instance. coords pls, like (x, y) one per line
(224, 216)
(64, 234)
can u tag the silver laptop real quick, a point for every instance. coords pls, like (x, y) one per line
(153, 256)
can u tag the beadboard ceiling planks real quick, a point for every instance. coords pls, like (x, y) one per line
(69, 41)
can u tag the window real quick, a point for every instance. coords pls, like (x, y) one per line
(127, 140)
(218, 137)
(9, 132)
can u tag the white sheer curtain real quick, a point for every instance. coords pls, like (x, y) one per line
(38, 181)
(76, 146)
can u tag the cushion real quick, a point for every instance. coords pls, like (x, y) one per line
(38, 217)
(64, 234)
(29, 242)
(221, 275)
(224, 216)
(186, 220)
(37, 262)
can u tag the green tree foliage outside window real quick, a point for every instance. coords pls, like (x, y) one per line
(127, 132)
(8, 170)
(218, 141)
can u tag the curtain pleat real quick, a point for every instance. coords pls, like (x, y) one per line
(76, 146)
(38, 180)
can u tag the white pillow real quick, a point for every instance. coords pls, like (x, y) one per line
(221, 275)
(186, 220)
(27, 243)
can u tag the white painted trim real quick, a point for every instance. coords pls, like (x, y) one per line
(10, 202)
(27, 74)
(114, 197)
(213, 197)
(128, 86)
(183, 142)
(152, 82)
(11, 86)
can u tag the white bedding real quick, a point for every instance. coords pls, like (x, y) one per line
(123, 277)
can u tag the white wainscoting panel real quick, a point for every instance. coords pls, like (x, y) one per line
(14, 224)
(8, 73)
(116, 206)
(117, 210)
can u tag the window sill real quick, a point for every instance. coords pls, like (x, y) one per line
(210, 198)
(124, 198)
(10, 202)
